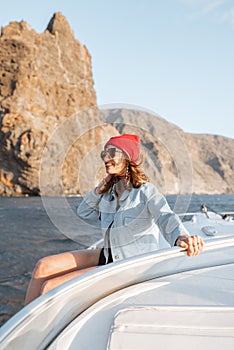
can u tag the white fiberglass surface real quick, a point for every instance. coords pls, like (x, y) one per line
(209, 287)
(209, 226)
(138, 328)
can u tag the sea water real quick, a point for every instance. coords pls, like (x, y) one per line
(192, 203)
(179, 203)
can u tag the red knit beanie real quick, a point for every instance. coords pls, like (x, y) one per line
(128, 143)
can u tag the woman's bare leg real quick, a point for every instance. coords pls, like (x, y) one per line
(59, 265)
(56, 281)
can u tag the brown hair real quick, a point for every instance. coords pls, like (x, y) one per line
(135, 176)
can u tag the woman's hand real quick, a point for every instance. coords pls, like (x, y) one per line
(102, 184)
(193, 244)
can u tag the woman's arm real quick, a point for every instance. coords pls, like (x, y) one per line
(88, 208)
(170, 224)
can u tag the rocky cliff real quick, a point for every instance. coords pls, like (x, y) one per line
(48, 115)
(51, 132)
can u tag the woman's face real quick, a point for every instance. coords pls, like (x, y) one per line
(114, 159)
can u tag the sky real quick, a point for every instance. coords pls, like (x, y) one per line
(172, 57)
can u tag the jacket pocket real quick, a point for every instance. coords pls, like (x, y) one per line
(137, 224)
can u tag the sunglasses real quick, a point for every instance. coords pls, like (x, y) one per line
(111, 152)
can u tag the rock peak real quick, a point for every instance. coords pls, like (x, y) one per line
(59, 23)
(45, 84)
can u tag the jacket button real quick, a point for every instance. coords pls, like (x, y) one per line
(117, 257)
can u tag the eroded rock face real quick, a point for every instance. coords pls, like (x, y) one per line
(213, 163)
(48, 105)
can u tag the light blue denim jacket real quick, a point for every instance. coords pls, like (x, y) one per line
(142, 222)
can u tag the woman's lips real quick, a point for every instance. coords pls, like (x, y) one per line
(109, 164)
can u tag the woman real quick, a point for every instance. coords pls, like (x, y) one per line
(129, 210)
